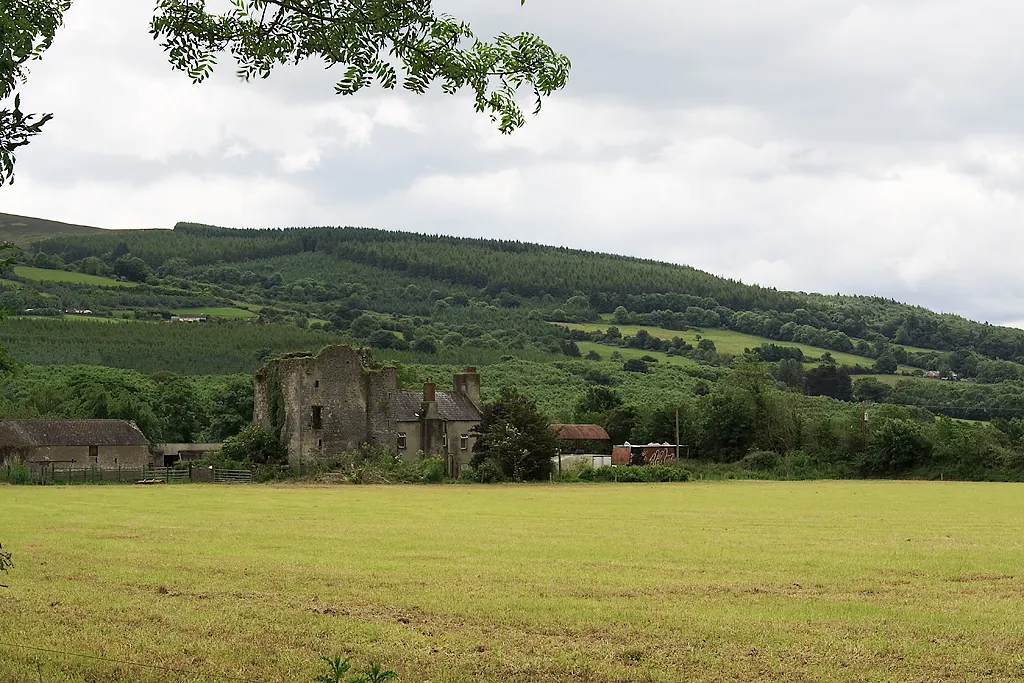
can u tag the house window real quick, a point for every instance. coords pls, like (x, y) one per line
(317, 418)
(464, 442)
(94, 454)
(401, 441)
(444, 439)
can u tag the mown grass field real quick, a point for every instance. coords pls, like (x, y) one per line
(45, 274)
(729, 341)
(809, 581)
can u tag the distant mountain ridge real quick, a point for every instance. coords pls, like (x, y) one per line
(482, 289)
(23, 230)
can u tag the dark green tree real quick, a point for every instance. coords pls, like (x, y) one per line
(886, 364)
(870, 389)
(635, 365)
(517, 437)
(829, 379)
(131, 268)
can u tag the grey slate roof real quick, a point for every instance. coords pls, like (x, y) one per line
(450, 406)
(29, 433)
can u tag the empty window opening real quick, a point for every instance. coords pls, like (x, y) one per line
(319, 443)
(317, 418)
(316, 384)
(94, 454)
(401, 441)
(464, 442)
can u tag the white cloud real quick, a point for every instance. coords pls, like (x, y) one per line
(219, 200)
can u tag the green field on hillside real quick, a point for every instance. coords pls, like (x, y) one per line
(47, 275)
(813, 581)
(224, 312)
(728, 341)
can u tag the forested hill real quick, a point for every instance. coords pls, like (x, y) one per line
(425, 294)
(492, 266)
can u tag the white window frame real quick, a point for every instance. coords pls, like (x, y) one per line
(403, 441)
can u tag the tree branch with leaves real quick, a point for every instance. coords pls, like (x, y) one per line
(380, 41)
(27, 28)
(374, 41)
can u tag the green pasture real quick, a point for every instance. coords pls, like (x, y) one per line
(47, 275)
(224, 312)
(727, 341)
(724, 581)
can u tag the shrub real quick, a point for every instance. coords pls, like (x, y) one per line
(432, 470)
(895, 447)
(254, 446)
(633, 474)
(489, 472)
(19, 474)
(635, 365)
(760, 461)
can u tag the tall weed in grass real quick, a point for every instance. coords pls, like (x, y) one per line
(371, 465)
(337, 668)
(17, 474)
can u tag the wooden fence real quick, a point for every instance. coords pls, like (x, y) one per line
(55, 474)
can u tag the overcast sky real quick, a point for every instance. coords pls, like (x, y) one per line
(863, 147)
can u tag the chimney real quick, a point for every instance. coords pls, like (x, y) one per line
(429, 392)
(467, 383)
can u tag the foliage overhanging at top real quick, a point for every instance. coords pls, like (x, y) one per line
(373, 40)
(26, 31)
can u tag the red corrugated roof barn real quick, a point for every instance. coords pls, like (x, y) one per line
(581, 432)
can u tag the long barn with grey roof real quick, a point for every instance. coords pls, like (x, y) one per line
(78, 443)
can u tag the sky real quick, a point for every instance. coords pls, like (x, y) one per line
(857, 147)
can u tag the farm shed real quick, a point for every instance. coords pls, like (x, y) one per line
(575, 437)
(97, 443)
(645, 454)
(167, 454)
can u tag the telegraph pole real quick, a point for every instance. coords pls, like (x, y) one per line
(863, 422)
(677, 434)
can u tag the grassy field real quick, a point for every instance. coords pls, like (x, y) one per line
(225, 312)
(45, 274)
(810, 581)
(728, 341)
